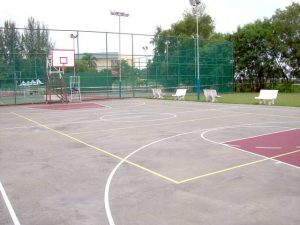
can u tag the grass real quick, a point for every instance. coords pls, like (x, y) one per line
(283, 99)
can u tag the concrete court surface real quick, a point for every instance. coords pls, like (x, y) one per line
(146, 162)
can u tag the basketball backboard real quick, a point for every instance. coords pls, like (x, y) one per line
(63, 58)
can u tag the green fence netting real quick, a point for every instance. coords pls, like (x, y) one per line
(167, 63)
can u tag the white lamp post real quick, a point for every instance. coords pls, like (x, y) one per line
(145, 48)
(167, 44)
(195, 4)
(120, 14)
(73, 36)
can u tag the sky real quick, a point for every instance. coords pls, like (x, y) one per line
(145, 15)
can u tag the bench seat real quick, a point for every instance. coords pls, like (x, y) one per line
(180, 94)
(267, 96)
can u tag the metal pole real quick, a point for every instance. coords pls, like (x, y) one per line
(135, 77)
(145, 48)
(198, 66)
(77, 51)
(167, 43)
(119, 14)
(120, 63)
(167, 59)
(196, 4)
(108, 85)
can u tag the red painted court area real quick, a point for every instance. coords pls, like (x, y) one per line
(69, 106)
(283, 146)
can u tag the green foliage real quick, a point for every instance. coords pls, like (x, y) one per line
(10, 45)
(36, 39)
(24, 53)
(187, 26)
(88, 63)
(268, 51)
(287, 38)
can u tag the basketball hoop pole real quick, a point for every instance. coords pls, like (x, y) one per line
(60, 59)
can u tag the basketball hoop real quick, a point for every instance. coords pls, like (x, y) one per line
(56, 85)
(63, 58)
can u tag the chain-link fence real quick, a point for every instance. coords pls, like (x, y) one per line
(147, 62)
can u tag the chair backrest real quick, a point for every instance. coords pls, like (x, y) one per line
(268, 94)
(210, 93)
(206, 93)
(214, 92)
(180, 92)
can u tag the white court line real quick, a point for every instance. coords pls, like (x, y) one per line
(260, 135)
(108, 182)
(203, 131)
(268, 147)
(239, 149)
(13, 128)
(237, 146)
(9, 206)
(172, 115)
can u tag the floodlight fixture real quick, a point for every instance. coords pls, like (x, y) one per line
(192, 2)
(115, 13)
(73, 36)
(195, 2)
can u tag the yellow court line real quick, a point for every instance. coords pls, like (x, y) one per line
(98, 149)
(146, 169)
(235, 167)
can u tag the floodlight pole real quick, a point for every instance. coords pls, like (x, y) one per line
(167, 44)
(74, 37)
(145, 48)
(195, 4)
(198, 58)
(120, 14)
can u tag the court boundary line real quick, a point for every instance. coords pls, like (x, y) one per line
(152, 171)
(9, 206)
(173, 115)
(260, 135)
(243, 150)
(96, 148)
(155, 124)
(110, 177)
(238, 166)
(112, 173)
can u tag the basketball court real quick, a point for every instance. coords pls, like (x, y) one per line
(144, 161)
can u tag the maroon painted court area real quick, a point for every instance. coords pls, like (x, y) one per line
(285, 143)
(69, 106)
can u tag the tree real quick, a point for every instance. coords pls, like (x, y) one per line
(36, 39)
(187, 26)
(268, 50)
(252, 53)
(286, 25)
(10, 46)
(10, 53)
(90, 61)
(36, 47)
